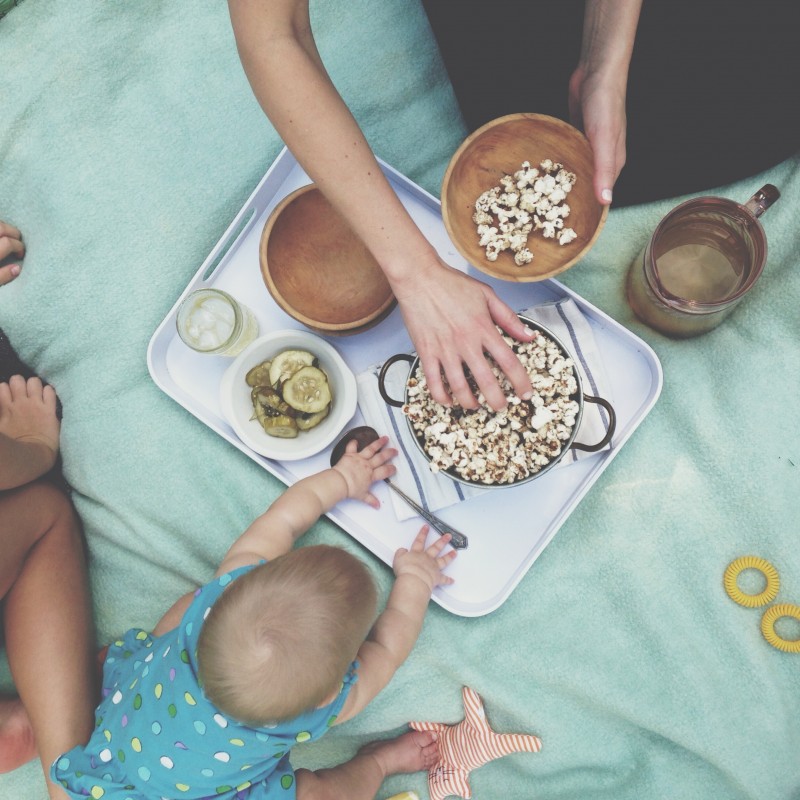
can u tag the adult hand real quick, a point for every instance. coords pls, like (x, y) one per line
(597, 105)
(451, 319)
(11, 247)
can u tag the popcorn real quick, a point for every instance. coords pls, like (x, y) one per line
(530, 199)
(489, 447)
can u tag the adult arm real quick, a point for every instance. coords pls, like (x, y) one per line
(449, 316)
(598, 86)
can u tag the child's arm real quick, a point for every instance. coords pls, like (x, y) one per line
(29, 431)
(297, 509)
(419, 571)
(301, 505)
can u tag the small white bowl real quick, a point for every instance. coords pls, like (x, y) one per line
(238, 407)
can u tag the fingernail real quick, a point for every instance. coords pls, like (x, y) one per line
(527, 395)
(14, 269)
(606, 194)
(527, 331)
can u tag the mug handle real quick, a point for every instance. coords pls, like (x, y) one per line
(762, 200)
(382, 377)
(612, 425)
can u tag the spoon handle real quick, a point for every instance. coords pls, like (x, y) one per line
(458, 541)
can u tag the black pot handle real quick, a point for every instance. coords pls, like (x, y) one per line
(612, 425)
(382, 377)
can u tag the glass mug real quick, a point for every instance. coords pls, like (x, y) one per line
(211, 321)
(702, 258)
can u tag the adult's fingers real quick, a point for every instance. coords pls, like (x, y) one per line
(432, 368)
(608, 146)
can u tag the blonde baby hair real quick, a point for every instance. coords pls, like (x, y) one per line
(280, 639)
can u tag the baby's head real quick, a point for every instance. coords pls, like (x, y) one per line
(280, 639)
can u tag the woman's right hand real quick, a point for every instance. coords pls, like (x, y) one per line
(452, 320)
(11, 247)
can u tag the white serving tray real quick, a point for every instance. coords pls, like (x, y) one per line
(507, 529)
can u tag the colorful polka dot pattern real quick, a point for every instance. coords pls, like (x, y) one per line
(157, 735)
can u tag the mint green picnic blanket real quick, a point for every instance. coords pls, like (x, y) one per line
(129, 139)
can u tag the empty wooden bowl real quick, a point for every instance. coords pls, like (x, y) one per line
(318, 271)
(499, 148)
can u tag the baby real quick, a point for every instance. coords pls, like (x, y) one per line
(280, 646)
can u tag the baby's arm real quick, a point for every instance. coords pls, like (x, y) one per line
(418, 570)
(296, 510)
(29, 430)
(302, 504)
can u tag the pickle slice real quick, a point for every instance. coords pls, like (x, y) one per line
(307, 421)
(287, 363)
(271, 401)
(307, 390)
(281, 426)
(259, 375)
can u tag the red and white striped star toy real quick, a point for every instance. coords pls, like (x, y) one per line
(467, 746)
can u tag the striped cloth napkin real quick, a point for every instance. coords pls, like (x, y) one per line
(435, 491)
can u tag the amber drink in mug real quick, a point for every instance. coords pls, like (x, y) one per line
(702, 258)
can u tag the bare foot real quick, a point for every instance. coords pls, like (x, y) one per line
(28, 416)
(11, 248)
(17, 745)
(412, 752)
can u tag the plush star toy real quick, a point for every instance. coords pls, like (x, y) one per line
(467, 746)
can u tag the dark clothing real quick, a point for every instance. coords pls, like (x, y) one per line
(712, 90)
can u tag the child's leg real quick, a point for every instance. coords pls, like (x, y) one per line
(47, 616)
(361, 777)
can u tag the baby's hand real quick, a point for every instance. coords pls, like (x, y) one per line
(28, 415)
(361, 469)
(426, 564)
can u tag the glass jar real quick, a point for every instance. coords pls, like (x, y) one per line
(211, 321)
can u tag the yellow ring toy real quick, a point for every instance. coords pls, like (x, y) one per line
(768, 626)
(737, 567)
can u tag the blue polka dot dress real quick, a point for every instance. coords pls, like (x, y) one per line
(158, 736)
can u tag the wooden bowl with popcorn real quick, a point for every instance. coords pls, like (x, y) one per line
(318, 271)
(517, 198)
(496, 449)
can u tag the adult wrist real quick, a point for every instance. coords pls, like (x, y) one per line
(405, 273)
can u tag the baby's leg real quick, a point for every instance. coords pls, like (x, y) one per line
(47, 617)
(361, 777)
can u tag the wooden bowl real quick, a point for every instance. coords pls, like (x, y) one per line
(318, 271)
(499, 148)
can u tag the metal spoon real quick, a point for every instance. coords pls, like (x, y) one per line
(365, 435)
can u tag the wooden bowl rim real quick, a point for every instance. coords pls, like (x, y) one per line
(542, 118)
(354, 326)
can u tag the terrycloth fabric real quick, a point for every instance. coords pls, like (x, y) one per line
(434, 491)
(129, 139)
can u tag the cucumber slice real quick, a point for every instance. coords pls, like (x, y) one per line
(271, 401)
(259, 375)
(307, 421)
(281, 426)
(285, 364)
(307, 390)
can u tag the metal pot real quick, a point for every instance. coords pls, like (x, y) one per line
(580, 397)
